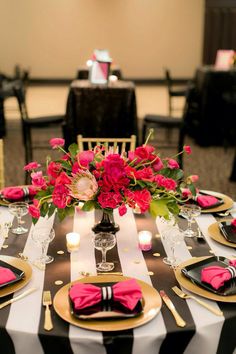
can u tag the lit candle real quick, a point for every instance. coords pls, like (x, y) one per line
(145, 240)
(72, 241)
(113, 78)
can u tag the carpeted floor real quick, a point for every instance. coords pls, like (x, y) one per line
(213, 165)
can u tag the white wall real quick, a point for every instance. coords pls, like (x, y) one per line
(54, 37)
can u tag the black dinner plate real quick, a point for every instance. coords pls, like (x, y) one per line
(18, 273)
(105, 309)
(193, 272)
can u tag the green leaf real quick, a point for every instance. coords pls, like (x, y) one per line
(51, 210)
(66, 165)
(73, 149)
(173, 208)
(192, 189)
(159, 208)
(70, 211)
(34, 220)
(89, 205)
(61, 214)
(44, 209)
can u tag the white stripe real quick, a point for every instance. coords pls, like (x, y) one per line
(147, 338)
(23, 321)
(5, 216)
(84, 341)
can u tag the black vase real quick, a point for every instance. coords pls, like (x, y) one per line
(107, 223)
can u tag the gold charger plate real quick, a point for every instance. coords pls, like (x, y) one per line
(228, 202)
(215, 234)
(22, 265)
(151, 307)
(187, 284)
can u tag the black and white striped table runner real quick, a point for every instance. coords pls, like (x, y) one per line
(21, 324)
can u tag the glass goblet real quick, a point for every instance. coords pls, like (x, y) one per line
(172, 236)
(104, 241)
(42, 236)
(19, 209)
(190, 211)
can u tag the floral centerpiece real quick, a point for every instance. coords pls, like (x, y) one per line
(107, 180)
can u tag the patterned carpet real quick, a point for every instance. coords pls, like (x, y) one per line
(212, 164)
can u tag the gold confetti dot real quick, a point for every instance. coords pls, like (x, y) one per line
(137, 261)
(157, 235)
(211, 251)
(189, 247)
(58, 282)
(60, 252)
(156, 254)
(125, 249)
(150, 273)
(5, 246)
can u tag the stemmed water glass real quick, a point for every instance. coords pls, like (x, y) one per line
(19, 209)
(42, 236)
(104, 241)
(190, 211)
(172, 236)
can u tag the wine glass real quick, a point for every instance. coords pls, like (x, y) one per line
(19, 209)
(104, 241)
(42, 236)
(172, 236)
(190, 211)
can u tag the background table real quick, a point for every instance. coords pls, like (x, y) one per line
(21, 324)
(100, 110)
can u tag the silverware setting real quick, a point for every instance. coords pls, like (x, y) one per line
(226, 213)
(185, 296)
(18, 297)
(47, 301)
(178, 319)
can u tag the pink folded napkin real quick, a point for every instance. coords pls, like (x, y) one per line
(6, 275)
(127, 292)
(205, 201)
(216, 276)
(16, 193)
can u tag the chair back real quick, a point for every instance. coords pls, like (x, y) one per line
(123, 144)
(2, 179)
(168, 78)
(19, 92)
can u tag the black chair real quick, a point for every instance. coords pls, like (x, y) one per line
(83, 73)
(173, 91)
(33, 123)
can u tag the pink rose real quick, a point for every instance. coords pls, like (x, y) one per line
(54, 169)
(31, 166)
(60, 196)
(85, 157)
(187, 149)
(34, 210)
(172, 164)
(63, 179)
(167, 183)
(109, 200)
(145, 174)
(38, 180)
(143, 199)
(194, 178)
(141, 153)
(186, 193)
(57, 142)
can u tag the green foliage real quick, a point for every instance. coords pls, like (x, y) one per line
(89, 205)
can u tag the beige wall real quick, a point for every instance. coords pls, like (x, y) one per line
(54, 37)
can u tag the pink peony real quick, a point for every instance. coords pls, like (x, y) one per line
(54, 169)
(31, 166)
(143, 199)
(83, 185)
(187, 149)
(172, 164)
(57, 142)
(63, 179)
(84, 158)
(109, 200)
(145, 174)
(60, 196)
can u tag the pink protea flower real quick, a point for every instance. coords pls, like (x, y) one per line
(31, 166)
(83, 185)
(187, 149)
(57, 142)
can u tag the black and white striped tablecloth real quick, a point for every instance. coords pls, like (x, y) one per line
(21, 324)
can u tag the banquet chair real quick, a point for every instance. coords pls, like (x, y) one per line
(173, 91)
(2, 180)
(28, 124)
(123, 144)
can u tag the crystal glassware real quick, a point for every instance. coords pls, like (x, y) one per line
(104, 241)
(172, 236)
(19, 209)
(42, 236)
(189, 212)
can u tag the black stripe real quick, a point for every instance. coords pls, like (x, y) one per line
(163, 278)
(16, 244)
(115, 340)
(227, 340)
(57, 340)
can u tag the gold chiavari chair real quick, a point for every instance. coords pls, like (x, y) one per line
(123, 144)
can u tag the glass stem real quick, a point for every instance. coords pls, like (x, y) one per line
(104, 252)
(190, 224)
(44, 250)
(19, 221)
(173, 251)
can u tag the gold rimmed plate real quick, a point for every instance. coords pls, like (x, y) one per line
(151, 306)
(20, 265)
(196, 289)
(216, 235)
(227, 202)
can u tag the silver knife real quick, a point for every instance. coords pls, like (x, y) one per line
(178, 319)
(18, 297)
